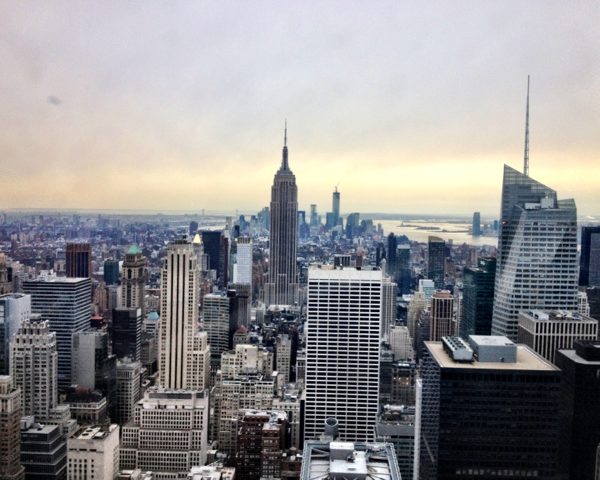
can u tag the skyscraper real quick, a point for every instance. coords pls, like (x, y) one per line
(442, 315)
(476, 228)
(342, 373)
(392, 257)
(34, 365)
(65, 303)
(134, 278)
(580, 409)
(589, 273)
(179, 315)
(242, 269)
(478, 298)
(111, 271)
(15, 308)
(436, 260)
(79, 260)
(5, 275)
(282, 286)
(489, 410)
(10, 435)
(335, 209)
(537, 252)
(126, 333)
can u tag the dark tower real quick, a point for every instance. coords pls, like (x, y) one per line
(79, 260)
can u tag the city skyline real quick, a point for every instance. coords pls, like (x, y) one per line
(392, 103)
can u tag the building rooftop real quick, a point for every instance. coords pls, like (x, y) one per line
(557, 316)
(527, 359)
(349, 461)
(346, 273)
(94, 432)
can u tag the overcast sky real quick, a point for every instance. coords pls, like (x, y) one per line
(409, 106)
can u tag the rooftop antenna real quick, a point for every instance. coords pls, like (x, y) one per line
(526, 156)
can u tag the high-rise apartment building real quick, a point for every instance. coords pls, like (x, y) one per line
(442, 322)
(133, 280)
(589, 271)
(34, 368)
(179, 315)
(436, 261)
(548, 331)
(168, 434)
(10, 435)
(93, 453)
(489, 410)
(65, 303)
(79, 260)
(478, 298)
(15, 308)
(537, 252)
(343, 330)
(282, 285)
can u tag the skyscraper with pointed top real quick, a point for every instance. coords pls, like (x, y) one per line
(537, 249)
(282, 285)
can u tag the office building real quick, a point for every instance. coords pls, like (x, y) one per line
(179, 315)
(216, 248)
(93, 453)
(43, 451)
(537, 252)
(79, 260)
(133, 280)
(126, 332)
(403, 270)
(242, 269)
(442, 322)
(335, 207)
(15, 308)
(476, 228)
(580, 409)
(589, 270)
(342, 375)
(240, 296)
(548, 331)
(388, 306)
(65, 303)
(10, 435)
(401, 343)
(436, 261)
(397, 426)
(128, 390)
(168, 433)
(282, 285)
(94, 366)
(490, 409)
(111, 272)
(216, 323)
(392, 256)
(337, 460)
(34, 367)
(478, 298)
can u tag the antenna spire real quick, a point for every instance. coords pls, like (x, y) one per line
(284, 156)
(526, 155)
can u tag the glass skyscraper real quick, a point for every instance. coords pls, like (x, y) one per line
(537, 252)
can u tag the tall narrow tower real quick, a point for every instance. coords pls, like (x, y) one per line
(135, 273)
(336, 206)
(282, 287)
(179, 309)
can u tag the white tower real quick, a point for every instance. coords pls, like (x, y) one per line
(179, 315)
(343, 331)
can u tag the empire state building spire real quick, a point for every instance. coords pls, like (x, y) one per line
(282, 285)
(284, 156)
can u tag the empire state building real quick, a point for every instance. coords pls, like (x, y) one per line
(282, 286)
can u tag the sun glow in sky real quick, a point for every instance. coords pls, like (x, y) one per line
(410, 107)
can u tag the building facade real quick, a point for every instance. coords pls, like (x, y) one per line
(343, 331)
